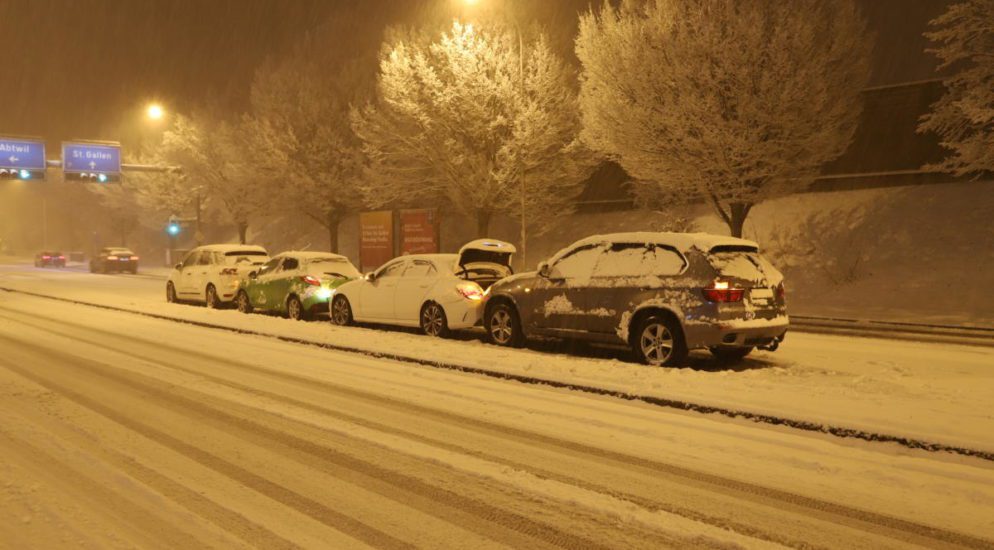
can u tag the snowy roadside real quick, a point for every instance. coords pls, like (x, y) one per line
(937, 393)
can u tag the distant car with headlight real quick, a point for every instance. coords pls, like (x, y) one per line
(662, 294)
(296, 284)
(212, 274)
(46, 259)
(114, 259)
(435, 292)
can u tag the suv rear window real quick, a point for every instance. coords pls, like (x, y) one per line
(746, 264)
(254, 257)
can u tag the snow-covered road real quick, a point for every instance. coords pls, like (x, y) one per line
(120, 430)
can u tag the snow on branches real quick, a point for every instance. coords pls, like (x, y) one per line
(477, 119)
(964, 116)
(734, 102)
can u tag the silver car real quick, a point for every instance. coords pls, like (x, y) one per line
(662, 294)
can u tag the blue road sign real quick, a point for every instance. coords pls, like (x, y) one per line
(78, 158)
(22, 154)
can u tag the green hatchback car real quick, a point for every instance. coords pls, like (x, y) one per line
(298, 285)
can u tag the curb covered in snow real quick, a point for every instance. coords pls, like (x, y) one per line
(837, 431)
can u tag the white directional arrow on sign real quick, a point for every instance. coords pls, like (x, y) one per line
(13, 158)
(93, 165)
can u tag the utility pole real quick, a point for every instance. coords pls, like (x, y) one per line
(44, 221)
(522, 165)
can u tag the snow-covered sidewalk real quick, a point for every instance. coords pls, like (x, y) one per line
(931, 392)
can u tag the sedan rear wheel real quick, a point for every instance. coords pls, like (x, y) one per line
(244, 304)
(659, 342)
(433, 322)
(295, 309)
(171, 293)
(341, 311)
(212, 300)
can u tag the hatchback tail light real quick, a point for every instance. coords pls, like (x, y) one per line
(470, 291)
(722, 292)
(311, 280)
(229, 271)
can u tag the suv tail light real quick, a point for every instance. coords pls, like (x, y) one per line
(229, 271)
(311, 280)
(46, 257)
(471, 291)
(111, 257)
(721, 292)
(135, 258)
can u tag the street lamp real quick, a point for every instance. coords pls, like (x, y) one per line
(521, 174)
(154, 111)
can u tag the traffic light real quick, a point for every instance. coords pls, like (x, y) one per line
(92, 177)
(21, 174)
(173, 227)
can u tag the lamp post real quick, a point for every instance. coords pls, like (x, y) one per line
(523, 188)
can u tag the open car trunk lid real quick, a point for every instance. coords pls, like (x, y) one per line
(485, 261)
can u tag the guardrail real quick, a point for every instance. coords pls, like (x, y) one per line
(921, 332)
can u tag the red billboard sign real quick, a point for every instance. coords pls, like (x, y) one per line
(375, 239)
(419, 231)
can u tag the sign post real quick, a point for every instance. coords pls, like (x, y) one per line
(22, 158)
(91, 161)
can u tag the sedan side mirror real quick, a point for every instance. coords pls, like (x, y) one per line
(179, 265)
(543, 269)
(371, 277)
(253, 274)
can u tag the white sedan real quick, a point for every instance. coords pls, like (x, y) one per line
(436, 292)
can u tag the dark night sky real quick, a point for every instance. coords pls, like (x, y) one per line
(85, 68)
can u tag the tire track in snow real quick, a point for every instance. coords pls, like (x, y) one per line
(760, 418)
(900, 529)
(307, 506)
(258, 432)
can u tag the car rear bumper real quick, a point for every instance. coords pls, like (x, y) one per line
(737, 333)
(463, 313)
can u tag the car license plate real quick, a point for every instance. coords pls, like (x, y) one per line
(762, 295)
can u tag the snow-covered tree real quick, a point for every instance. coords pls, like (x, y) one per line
(302, 133)
(212, 154)
(964, 116)
(458, 120)
(734, 102)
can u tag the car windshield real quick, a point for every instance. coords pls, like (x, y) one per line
(332, 266)
(245, 257)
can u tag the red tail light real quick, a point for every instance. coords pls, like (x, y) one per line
(62, 257)
(311, 280)
(470, 291)
(134, 258)
(721, 292)
(46, 257)
(781, 291)
(229, 271)
(111, 257)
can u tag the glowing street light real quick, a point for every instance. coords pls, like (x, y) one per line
(155, 111)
